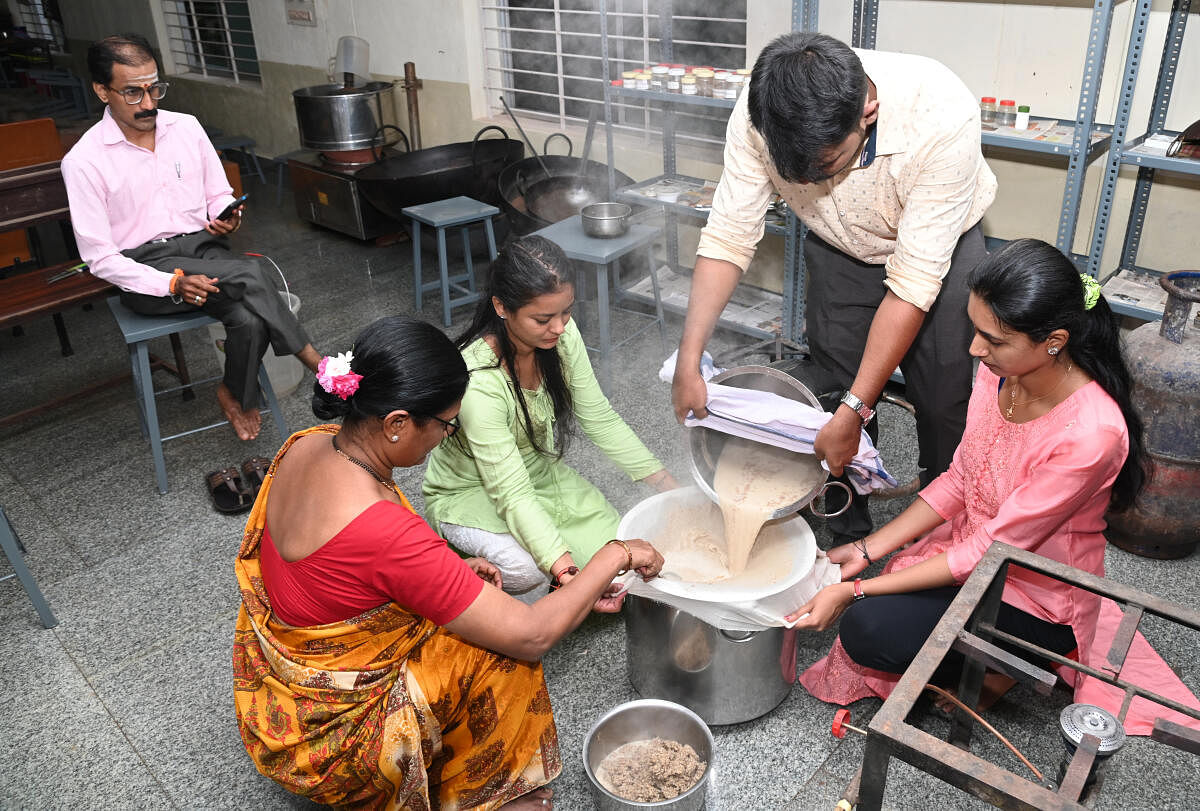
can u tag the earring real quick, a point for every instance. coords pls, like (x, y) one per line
(1053, 350)
(395, 439)
(502, 317)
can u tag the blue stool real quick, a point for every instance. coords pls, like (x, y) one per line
(138, 330)
(12, 547)
(458, 212)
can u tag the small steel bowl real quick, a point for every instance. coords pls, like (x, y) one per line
(605, 219)
(639, 720)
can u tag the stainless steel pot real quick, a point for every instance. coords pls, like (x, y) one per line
(333, 118)
(705, 444)
(605, 219)
(639, 721)
(725, 677)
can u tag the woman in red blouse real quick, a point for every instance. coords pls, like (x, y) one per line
(372, 665)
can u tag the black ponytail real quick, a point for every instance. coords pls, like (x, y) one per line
(406, 365)
(523, 270)
(1032, 288)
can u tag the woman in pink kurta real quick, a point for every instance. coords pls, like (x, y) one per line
(1051, 444)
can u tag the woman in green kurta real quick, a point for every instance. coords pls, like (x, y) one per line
(499, 488)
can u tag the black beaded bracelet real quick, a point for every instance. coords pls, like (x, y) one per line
(861, 546)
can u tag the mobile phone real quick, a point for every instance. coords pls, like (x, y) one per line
(228, 212)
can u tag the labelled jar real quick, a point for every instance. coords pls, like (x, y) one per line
(673, 77)
(1007, 115)
(687, 86)
(643, 81)
(1022, 117)
(704, 81)
(733, 86)
(987, 110)
(720, 78)
(658, 78)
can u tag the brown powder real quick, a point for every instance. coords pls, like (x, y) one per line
(650, 771)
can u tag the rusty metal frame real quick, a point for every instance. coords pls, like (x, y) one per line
(969, 626)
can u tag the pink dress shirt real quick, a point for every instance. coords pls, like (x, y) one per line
(1042, 485)
(122, 195)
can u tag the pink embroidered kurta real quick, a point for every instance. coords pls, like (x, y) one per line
(1044, 486)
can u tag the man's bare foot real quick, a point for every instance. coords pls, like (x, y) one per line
(542, 798)
(995, 685)
(246, 423)
(309, 357)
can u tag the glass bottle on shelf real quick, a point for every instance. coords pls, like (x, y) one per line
(1007, 115)
(987, 110)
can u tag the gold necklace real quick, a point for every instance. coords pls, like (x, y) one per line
(390, 485)
(1013, 391)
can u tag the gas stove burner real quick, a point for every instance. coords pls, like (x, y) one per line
(1078, 720)
(351, 158)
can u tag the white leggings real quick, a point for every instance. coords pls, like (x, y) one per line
(520, 574)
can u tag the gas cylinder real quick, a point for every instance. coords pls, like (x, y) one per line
(1164, 360)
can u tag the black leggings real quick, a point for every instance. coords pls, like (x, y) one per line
(887, 631)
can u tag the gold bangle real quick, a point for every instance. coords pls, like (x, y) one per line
(628, 553)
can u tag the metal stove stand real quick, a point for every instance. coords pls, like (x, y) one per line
(969, 627)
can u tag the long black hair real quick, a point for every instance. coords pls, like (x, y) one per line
(807, 93)
(406, 365)
(523, 270)
(1032, 288)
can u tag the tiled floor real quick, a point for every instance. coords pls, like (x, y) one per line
(128, 702)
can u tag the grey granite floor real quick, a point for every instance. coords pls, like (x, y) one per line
(128, 703)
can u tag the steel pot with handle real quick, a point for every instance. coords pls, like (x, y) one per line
(705, 444)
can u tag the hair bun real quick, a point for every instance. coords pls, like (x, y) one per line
(328, 406)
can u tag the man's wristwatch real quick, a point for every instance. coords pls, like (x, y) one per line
(864, 411)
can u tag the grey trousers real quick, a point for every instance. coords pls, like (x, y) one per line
(248, 304)
(843, 295)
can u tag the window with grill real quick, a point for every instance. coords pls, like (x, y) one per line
(544, 57)
(39, 23)
(212, 38)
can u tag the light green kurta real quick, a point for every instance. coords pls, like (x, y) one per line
(510, 487)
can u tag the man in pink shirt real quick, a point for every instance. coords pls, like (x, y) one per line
(146, 191)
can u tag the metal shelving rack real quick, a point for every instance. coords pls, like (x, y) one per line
(1123, 152)
(865, 23)
(1082, 150)
(789, 228)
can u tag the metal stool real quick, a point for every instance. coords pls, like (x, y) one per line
(239, 143)
(13, 549)
(568, 235)
(138, 330)
(460, 212)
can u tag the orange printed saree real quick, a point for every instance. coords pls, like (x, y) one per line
(385, 710)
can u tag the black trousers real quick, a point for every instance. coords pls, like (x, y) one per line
(843, 295)
(887, 631)
(248, 304)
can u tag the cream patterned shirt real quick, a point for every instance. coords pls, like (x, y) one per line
(927, 185)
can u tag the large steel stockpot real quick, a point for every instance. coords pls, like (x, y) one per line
(725, 677)
(334, 118)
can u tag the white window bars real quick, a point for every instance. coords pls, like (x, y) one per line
(212, 38)
(38, 24)
(544, 57)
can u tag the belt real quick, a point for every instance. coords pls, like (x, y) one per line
(161, 240)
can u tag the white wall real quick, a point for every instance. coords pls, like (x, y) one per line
(426, 32)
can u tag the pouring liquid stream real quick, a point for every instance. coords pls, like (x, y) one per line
(752, 480)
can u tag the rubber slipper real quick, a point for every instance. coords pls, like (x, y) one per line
(254, 473)
(227, 493)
